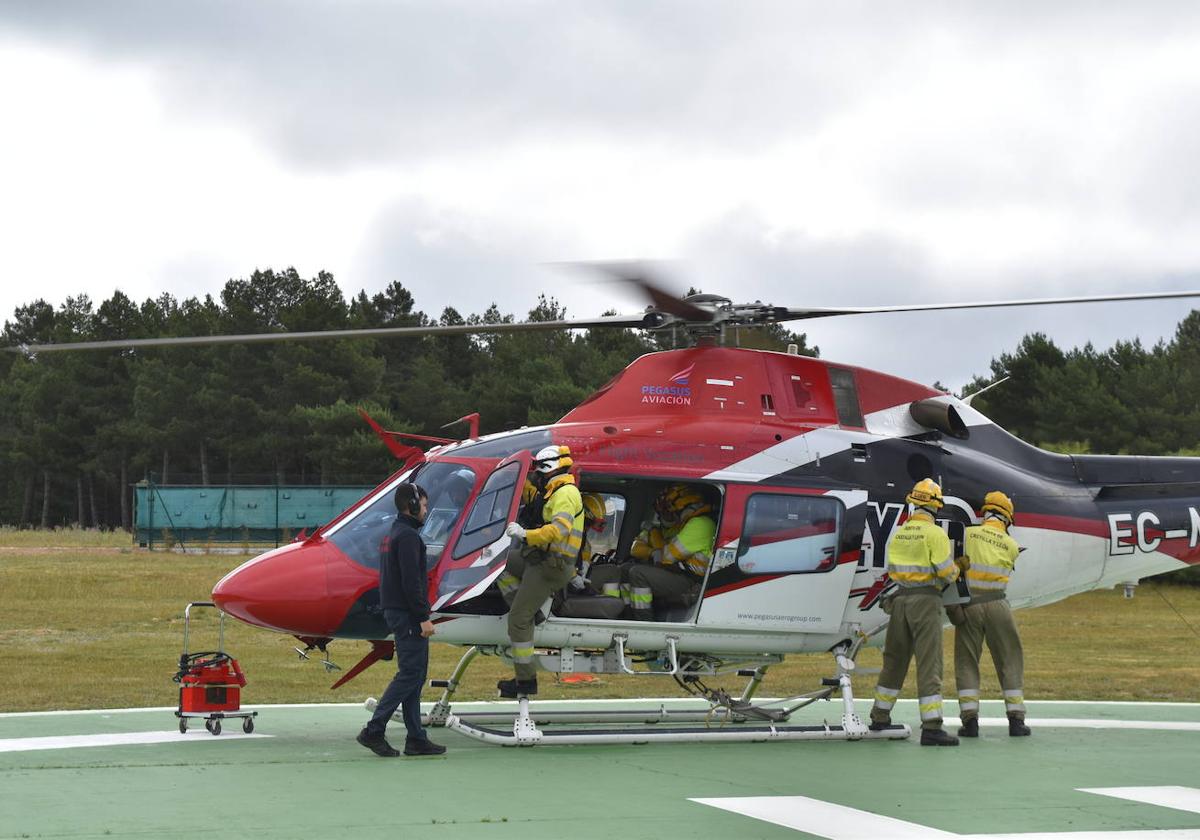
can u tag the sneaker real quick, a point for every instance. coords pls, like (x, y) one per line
(377, 744)
(512, 689)
(425, 747)
(937, 738)
(969, 729)
(1017, 727)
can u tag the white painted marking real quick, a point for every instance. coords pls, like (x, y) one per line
(726, 382)
(120, 739)
(839, 822)
(1177, 534)
(1168, 796)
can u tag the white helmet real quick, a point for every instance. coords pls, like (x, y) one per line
(552, 459)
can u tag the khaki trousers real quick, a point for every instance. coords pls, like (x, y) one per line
(990, 622)
(915, 630)
(537, 581)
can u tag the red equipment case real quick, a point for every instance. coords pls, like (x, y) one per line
(210, 681)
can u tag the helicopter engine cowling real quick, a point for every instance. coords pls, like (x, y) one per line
(939, 414)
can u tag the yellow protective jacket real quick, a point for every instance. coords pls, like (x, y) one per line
(993, 554)
(562, 535)
(919, 554)
(690, 548)
(650, 540)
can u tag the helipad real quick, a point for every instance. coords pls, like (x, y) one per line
(1115, 771)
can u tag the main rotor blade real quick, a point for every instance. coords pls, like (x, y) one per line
(638, 275)
(814, 312)
(636, 321)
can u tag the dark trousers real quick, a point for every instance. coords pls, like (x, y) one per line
(404, 691)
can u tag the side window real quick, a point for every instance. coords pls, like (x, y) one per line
(789, 534)
(845, 397)
(488, 516)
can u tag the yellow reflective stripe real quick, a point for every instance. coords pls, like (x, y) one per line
(885, 697)
(931, 707)
(1014, 700)
(911, 579)
(522, 653)
(944, 566)
(907, 569)
(978, 585)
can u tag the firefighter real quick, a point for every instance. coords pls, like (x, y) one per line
(670, 558)
(542, 564)
(920, 561)
(992, 553)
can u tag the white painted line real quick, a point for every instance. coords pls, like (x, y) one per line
(116, 739)
(838, 822)
(1100, 723)
(1168, 796)
(824, 819)
(726, 382)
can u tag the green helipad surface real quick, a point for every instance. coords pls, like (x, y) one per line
(1115, 771)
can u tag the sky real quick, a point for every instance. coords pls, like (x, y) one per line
(798, 153)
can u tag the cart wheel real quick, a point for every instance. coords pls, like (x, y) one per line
(248, 725)
(182, 726)
(208, 722)
(216, 727)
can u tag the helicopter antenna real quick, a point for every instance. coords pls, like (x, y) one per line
(970, 397)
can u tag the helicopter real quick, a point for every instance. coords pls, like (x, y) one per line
(807, 462)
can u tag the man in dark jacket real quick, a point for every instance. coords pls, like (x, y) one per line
(403, 595)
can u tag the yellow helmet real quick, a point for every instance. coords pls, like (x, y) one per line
(926, 493)
(997, 502)
(593, 509)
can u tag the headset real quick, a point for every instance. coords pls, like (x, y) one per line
(408, 498)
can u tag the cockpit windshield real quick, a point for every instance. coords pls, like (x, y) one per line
(448, 485)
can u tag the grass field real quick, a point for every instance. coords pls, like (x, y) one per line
(101, 626)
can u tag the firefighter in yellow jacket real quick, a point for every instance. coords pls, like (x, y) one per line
(992, 554)
(921, 562)
(543, 564)
(670, 558)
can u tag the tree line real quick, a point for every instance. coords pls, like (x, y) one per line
(77, 429)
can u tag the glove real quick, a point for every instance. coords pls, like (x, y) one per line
(515, 530)
(963, 563)
(577, 583)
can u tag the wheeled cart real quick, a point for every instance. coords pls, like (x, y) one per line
(210, 681)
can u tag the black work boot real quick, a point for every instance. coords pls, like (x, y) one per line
(1016, 725)
(512, 689)
(937, 738)
(376, 744)
(422, 747)
(969, 728)
(879, 726)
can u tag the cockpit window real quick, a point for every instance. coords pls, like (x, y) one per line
(448, 485)
(489, 515)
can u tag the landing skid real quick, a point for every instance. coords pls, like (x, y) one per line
(726, 719)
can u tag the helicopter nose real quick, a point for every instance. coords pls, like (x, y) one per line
(284, 589)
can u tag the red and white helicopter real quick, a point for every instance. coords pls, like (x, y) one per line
(810, 461)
